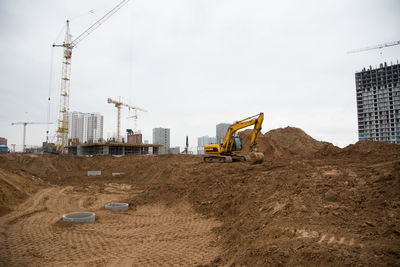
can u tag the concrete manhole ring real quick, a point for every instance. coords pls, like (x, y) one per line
(80, 217)
(117, 206)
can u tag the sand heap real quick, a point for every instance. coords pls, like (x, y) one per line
(309, 203)
(288, 142)
(297, 141)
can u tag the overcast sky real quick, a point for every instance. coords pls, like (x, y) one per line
(194, 63)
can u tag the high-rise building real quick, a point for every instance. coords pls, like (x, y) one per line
(161, 136)
(205, 140)
(76, 126)
(86, 127)
(94, 127)
(202, 141)
(378, 104)
(221, 130)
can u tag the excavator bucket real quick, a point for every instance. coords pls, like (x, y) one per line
(255, 157)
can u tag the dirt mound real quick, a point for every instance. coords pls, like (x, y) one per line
(290, 210)
(372, 147)
(287, 143)
(269, 147)
(298, 142)
(308, 212)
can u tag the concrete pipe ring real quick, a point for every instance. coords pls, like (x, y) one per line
(80, 217)
(117, 206)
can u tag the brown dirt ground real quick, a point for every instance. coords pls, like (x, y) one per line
(309, 203)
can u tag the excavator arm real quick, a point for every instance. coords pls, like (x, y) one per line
(228, 140)
(256, 131)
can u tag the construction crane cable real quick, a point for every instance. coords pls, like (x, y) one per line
(97, 23)
(90, 12)
(49, 95)
(59, 34)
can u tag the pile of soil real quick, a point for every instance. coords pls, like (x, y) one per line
(297, 141)
(288, 142)
(269, 147)
(309, 203)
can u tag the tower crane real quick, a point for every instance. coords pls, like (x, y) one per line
(68, 45)
(135, 118)
(24, 134)
(379, 46)
(118, 104)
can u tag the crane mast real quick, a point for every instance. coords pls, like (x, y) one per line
(118, 104)
(68, 45)
(62, 130)
(135, 118)
(24, 132)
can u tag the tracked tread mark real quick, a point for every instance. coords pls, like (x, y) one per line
(149, 236)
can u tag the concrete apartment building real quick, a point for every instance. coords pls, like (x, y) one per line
(86, 127)
(221, 130)
(202, 141)
(378, 104)
(161, 136)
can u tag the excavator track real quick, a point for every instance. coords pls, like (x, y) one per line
(253, 157)
(224, 158)
(217, 159)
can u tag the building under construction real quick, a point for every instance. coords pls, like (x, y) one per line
(113, 149)
(133, 146)
(378, 103)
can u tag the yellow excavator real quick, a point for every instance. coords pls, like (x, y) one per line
(227, 151)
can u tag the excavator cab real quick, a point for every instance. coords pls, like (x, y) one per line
(237, 144)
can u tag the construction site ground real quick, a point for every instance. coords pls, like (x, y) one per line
(308, 204)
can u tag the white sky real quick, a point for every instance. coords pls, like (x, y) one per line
(194, 63)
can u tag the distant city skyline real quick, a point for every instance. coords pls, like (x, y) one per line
(193, 64)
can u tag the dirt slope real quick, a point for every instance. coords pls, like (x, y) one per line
(15, 187)
(309, 203)
(297, 141)
(288, 142)
(269, 147)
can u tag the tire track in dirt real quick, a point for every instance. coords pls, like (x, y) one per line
(148, 236)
